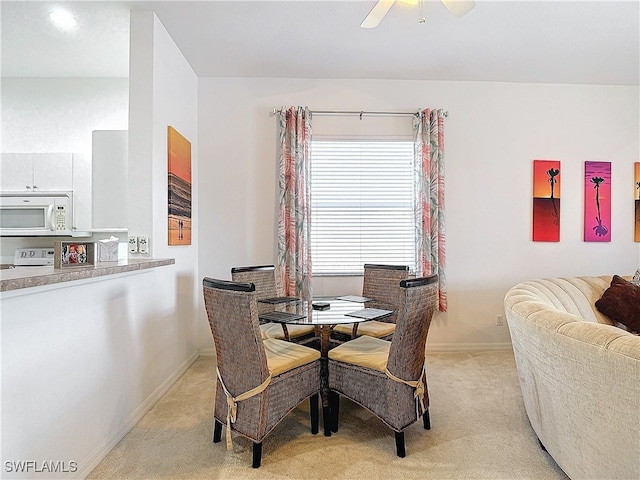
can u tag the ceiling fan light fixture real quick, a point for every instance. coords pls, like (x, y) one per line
(376, 14)
(421, 18)
(458, 8)
(63, 19)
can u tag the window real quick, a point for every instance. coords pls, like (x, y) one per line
(362, 201)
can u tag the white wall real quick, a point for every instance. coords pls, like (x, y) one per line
(163, 92)
(493, 133)
(44, 115)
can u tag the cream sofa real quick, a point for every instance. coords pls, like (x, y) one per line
(579, 375)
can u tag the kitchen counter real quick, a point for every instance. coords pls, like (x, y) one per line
(26, 277)
(86, 351)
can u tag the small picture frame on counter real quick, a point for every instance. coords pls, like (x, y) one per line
(74, 254)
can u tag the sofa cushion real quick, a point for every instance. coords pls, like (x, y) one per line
(575, 295)
(621, 302)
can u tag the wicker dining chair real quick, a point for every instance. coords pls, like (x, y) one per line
(381, 285)
(389, 378)
(258, 381)
(265, 279)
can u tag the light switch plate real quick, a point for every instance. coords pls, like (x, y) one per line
(143, 245)
(133, 244)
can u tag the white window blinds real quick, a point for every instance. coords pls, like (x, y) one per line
(361, 205)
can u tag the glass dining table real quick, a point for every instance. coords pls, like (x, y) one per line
(324, 313)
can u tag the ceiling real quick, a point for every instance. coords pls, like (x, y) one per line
(576, 42)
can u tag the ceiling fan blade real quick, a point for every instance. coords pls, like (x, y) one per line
(459, 7)
(377, 13)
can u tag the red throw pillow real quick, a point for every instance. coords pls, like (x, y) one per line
(621, 302)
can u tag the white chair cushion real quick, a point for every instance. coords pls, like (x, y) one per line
(284, 356)
(274, 330)
(365, 351)
(372, 328)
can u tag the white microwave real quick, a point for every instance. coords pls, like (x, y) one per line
(36, 214)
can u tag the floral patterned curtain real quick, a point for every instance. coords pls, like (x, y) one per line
(428, 137)
(294, 219)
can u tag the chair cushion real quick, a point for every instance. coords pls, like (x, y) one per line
(274, 330)
(372, 328)
(364, 351)
(283, 356)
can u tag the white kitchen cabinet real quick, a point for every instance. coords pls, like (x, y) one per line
(17, 172)
(109, 170)
(49, 172)
(27, 172)
(82, 191)
(53, 171)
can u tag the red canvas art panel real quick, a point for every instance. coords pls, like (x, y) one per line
(597, 201)
(636, 196)
(546, 201)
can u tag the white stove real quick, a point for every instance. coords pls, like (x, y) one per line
(33, 257)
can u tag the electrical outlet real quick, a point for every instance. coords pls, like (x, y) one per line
(499, 320)
(133, 244)
(143, 245)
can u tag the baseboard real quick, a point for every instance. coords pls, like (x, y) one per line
(207, 352)
(102, 451)
(468, 347)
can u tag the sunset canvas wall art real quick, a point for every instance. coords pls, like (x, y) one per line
(179, 153)
(546, 201)
(597, 201)
(636, 189)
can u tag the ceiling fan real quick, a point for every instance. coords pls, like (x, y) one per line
(457, 7)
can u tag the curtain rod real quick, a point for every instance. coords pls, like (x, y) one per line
(277, 111)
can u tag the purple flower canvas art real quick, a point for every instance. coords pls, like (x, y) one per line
(597, 201)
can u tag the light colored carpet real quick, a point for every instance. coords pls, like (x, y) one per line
(479, 430)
